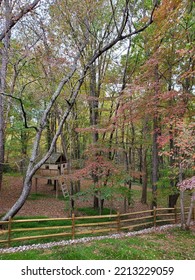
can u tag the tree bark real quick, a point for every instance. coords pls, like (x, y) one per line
(93, 105)
(155, 163)
(190, 211)
(24, 145)
(3, 75)
(173, 200)
(182, 199)
(144, 176)
(155, 158)
(1, 140)
(182, 210)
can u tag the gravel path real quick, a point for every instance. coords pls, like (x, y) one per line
(86, 239)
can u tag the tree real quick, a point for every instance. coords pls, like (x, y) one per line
(108, 39)
(9, 20)
(187, 185)
(161, 90)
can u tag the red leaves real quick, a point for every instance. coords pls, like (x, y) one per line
(187, 184)
(96, 165)
(163, 140)
(182, 135)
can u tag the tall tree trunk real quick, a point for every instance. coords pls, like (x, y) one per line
(155, 163)
(94, 120)
(48, 141)
(144, 176)
(1, 140)
(190, 211)
(155, 159)
(140, 155)
(24, 145)
(174, 196)
(144, 162)
(132, 155)
(94, 102)
(49, 133)
(3, 74)
(182, 199)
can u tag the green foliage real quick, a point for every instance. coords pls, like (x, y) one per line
(107, 192)
(166, 176)
(171, 245)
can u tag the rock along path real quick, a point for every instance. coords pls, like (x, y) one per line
(86, 239)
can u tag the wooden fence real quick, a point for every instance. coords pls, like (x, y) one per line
(14, 230)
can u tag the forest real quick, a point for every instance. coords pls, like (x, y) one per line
(108, 83)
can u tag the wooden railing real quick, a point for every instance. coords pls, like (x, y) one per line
(14, 230)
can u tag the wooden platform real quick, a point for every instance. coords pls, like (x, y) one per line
(58, 181)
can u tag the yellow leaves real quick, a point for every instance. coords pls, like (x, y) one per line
(167, 14)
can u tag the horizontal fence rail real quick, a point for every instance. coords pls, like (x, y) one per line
(14, 231)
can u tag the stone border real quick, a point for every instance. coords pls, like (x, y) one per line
(86, 239)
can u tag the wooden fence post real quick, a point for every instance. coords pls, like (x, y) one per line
(175, 211)
(154, 211)
(118, 222)
(9, 231)
(73, 226)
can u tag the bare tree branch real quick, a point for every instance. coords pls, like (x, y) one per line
(113, 13)
(23, 110)
(122, 37)
(24, 10)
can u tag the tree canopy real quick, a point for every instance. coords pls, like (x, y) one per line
(110, 83)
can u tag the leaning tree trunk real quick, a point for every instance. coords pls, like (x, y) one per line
(21, 200)
(33, 165)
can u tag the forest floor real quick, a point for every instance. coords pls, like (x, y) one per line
(45, 202)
